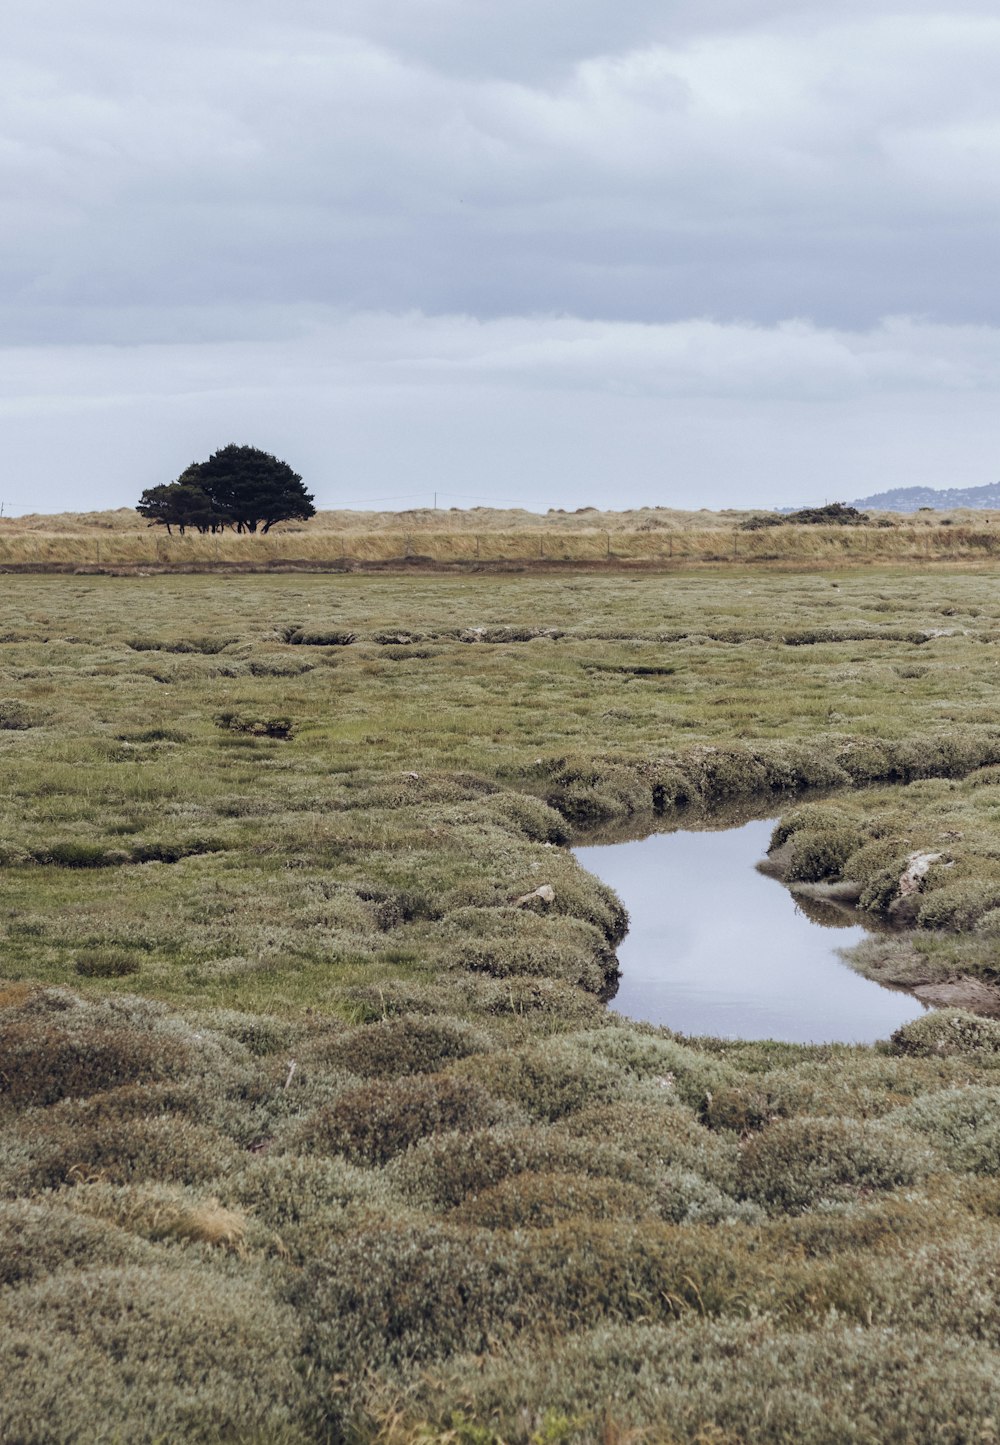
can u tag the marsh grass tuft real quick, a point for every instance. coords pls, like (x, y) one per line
(105, 963)
(256, 727)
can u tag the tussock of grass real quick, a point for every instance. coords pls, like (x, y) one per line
(14, 715)
(105, 963)
(161, 1213)
(255, 727)
(317, 637)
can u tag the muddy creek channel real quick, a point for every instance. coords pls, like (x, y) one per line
(716, 947)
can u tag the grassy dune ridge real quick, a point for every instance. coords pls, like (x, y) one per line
(482, 535)
(310, 1130)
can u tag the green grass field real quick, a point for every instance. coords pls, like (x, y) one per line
(310, 1132)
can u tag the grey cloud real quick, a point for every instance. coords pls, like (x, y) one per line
(539, 246)
(841, 167)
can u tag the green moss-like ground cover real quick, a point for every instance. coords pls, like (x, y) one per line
(310, 1131)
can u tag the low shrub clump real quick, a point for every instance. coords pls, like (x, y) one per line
(683, 1196)
(547, 1081)
(307, 1199)
(208, 646)
(661, 1133)
(729, 1380)
(535, 1200)
(794, 1163)
(960, 905)
(372, 1124)
(442, 1172)
(585, 792)
(948, 1031)
(881, 858)
(206, 1357)
(817, 856)
(962, 1124)
(507, 942)
(407, 1044)
(400, 1295)
(161, 852)
(260, 1034)
(678, 1071)
(810, 818)
(48, 1152)
(40, 1236)
(44, 1061)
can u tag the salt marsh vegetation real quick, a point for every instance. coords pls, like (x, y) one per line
(313, 1124)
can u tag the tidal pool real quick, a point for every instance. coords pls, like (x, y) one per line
(715, 947)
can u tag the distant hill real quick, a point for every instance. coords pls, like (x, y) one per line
(911, 499)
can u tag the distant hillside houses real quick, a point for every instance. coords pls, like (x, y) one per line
(945, 499)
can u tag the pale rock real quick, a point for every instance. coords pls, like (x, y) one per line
(545, 892)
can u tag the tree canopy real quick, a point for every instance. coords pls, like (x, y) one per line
(239, 486)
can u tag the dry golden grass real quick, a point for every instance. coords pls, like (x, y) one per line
(159, 1212)
(650, 535)
(12, 995)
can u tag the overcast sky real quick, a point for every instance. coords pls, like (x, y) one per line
(558, 252)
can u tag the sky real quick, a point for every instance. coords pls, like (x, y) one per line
(552, 253)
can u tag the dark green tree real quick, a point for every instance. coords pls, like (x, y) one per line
(180, 504)
(241, 487)
(252, 489)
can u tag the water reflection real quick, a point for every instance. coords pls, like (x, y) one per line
(714, 947)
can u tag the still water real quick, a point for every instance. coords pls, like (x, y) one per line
(714, 947)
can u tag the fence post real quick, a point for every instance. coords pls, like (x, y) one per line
(607, 536)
